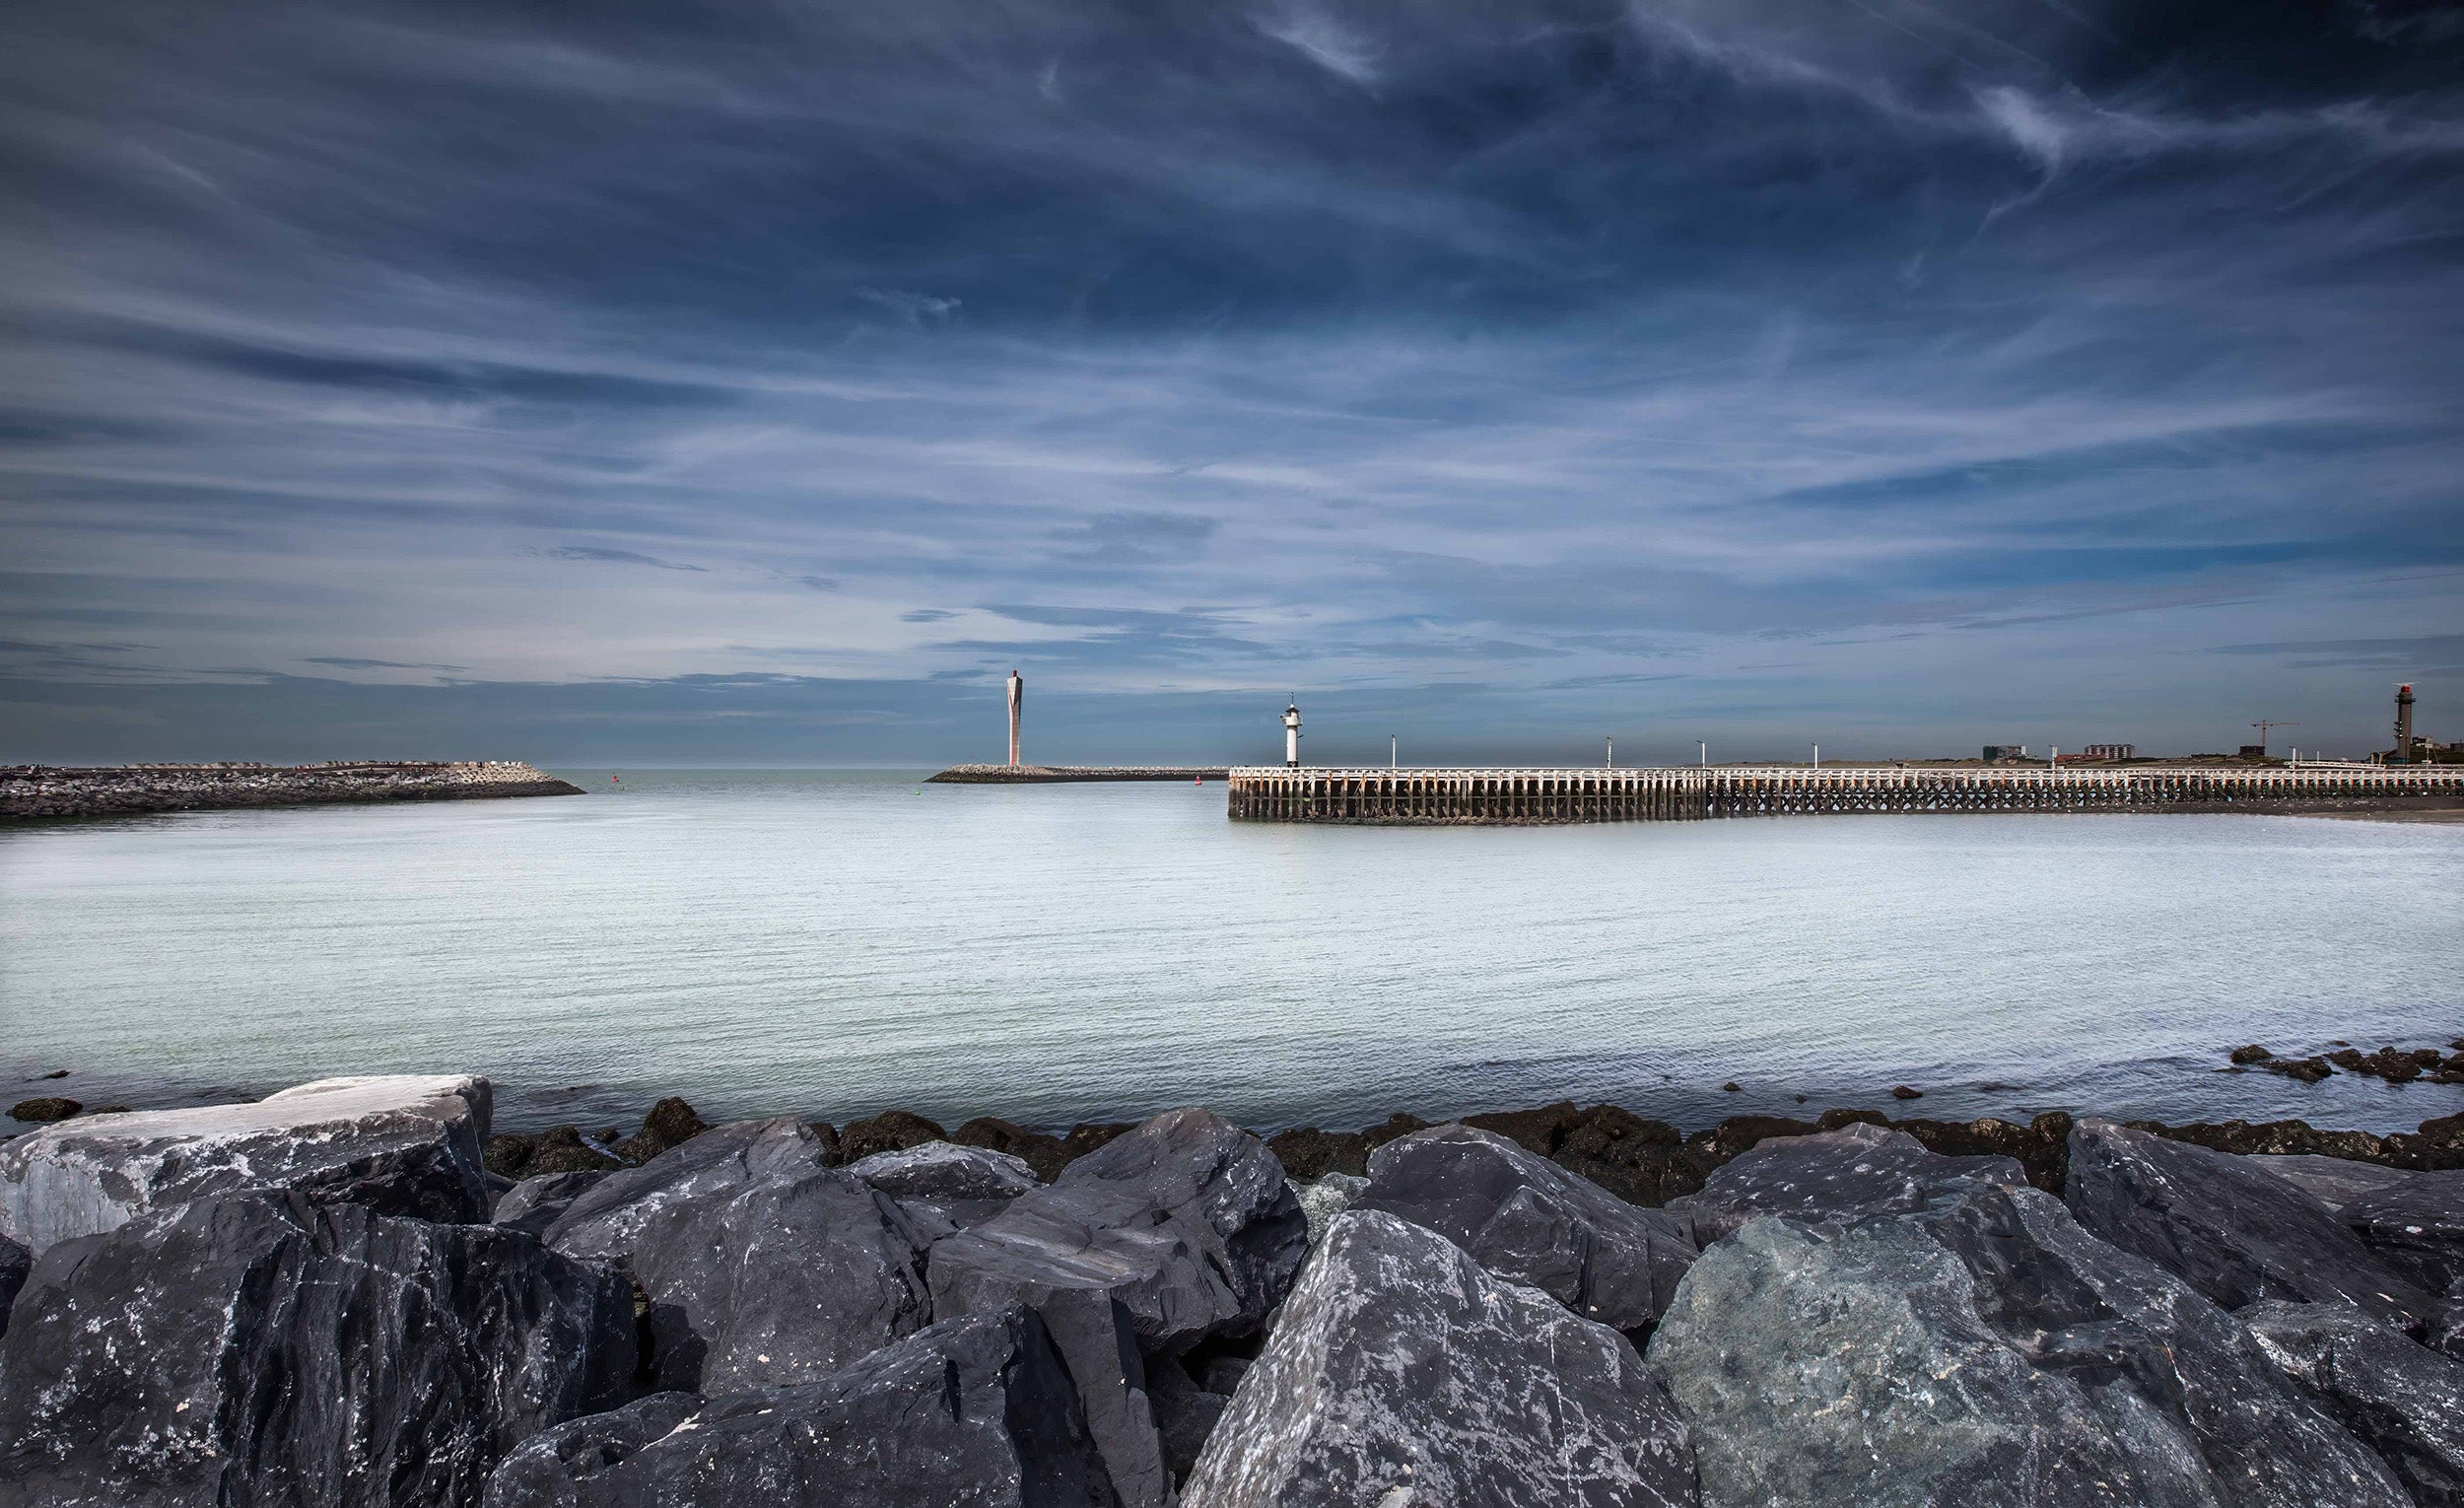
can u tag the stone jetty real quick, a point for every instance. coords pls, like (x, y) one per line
(1052, 774)
(51, 790)
(340, 1296)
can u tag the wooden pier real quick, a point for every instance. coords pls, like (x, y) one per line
(1683, 792)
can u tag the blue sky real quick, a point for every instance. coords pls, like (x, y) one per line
(759, 383)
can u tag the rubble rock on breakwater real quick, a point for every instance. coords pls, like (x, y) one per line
(306, 1301)
(46, 791)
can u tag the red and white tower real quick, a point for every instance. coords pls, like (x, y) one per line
(1017, 698)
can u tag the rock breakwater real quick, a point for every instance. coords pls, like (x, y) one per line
(50, 790)
(1845, 1311)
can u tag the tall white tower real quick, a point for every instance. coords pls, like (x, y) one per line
(1018, 700)
(1291, 735)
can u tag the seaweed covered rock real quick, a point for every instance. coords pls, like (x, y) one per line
(536, 1154)
(2234, 1232)
(1309, 1154)
(2402, 1400)
(1046, 1153)
(265, 1349)
(892, 1130)
(1528, 1220)
(1985, 1350)
(1400, 1372)
(976, 1411)
(762, 1265)
(670, 1123)
(399, 1144)
(1852, 1173)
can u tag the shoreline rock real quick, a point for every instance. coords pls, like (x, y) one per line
(34, 791)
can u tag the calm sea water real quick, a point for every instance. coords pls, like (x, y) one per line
(832, 945)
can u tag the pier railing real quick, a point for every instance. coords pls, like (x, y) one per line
(1273, 793)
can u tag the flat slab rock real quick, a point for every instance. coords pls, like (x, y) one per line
(1854, 1172)
(976, 1411)
(946, 1186)
(1400, 1373)
(2334, 1182)
(398, 1145)
(1986, 1351)
(262, 1349)
(2403, 1400)
(763, 1266)
(1527, 1220)
(2236, 1233)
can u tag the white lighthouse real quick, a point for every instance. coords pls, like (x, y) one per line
(1017, 702)
(1291, 735)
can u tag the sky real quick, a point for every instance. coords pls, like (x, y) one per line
(760, 384)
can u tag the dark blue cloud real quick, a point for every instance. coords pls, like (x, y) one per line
(1546, 362)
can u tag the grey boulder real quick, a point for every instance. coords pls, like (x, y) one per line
(261, 1349)
(2236, 1233)
(2405, 1400)
(945, 1187)
(2334, 1182)
(1187, 1220)
(1177, 1231)
(1984, 1351)
(399, 1144)
(1400, 1373)
(976, 1411)
(762, 1267)
(1853, 1173)
(2417, 1222)
(1528, 1220)
(535, 1203)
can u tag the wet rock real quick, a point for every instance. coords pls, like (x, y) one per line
(945, 1187)
(1400, 1124)
(2402, 1400)
(1047, 1154)
(892, 1130)
(1527, 1220)
(1643, 1162)
(1903, 1092)
(1834, 1177)
(2417, 1222)
(1087, 1135)
(2236, 1233)
(2251, 1054)
(2308, 1070)
(63, 1073)
(2247, 1138)
(557, 1149)
(828, 1136)
(975, 1411)
(2334, 1182)
(261, 1348)
(2439, 1145)
(1329, 1196)
(1400, 1372)
(1984, 1350)
(43, 1110)
(1308, 1154)
(535, 1203)
(1733, 1087)
(14, 1261)
(670, 1123)
(1182, 1230)
(399, 1146)
(2041, 1147)
(762, 1267)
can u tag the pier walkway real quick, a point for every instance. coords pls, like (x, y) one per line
(1274, 794)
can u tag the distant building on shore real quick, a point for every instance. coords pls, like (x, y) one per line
(2110, 751)
(2006, 751)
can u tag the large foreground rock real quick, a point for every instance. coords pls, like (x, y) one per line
(2420, 1225)
(1986, 1351)
(401, 1144)
(763, 1266)
(262, 1351)
(1187, 1220)
(1526, 1219)
(945, 1187)
(1853, 1173)
(1181, 1230)
(2403, 1400)
(976, 1411)
(2236, 1233)
(1400, 1373)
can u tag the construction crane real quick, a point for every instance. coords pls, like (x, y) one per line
(2264, 724)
